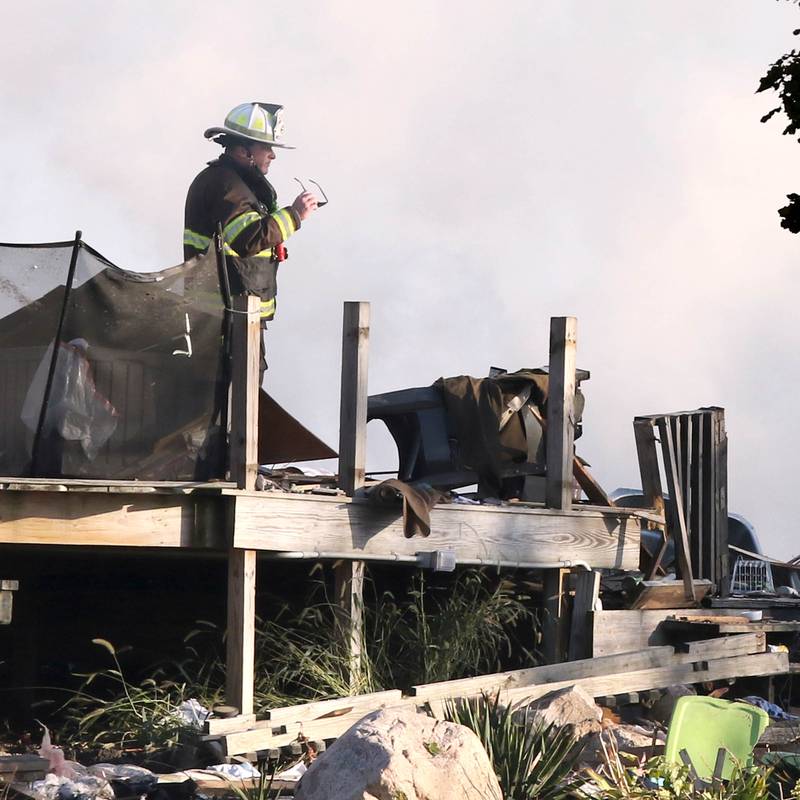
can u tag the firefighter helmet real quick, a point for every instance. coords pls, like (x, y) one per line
(255, 122)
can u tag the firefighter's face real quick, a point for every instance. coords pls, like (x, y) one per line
(262, 155)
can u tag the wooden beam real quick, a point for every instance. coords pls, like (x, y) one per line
(648, 658)
(622, 631)
(336, 707)
(113, 520)
(246, 353)
(240, 643)
(587, 592)
(561, 412)
(477, 534)
(660, 677)
(349, 575)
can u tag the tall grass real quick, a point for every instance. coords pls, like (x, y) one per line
(431, 632)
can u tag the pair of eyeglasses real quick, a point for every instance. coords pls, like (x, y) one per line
(324, 200)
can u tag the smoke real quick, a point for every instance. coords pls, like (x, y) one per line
(487, 168)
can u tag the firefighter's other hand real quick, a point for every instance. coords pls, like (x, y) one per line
(304, 204)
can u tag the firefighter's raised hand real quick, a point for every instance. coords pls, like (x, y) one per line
(304, 204)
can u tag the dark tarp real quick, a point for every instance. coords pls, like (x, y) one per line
(139, 386)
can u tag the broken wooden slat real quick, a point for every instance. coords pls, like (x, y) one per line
(758, 665)
(325, 708)
(680, 534)
(570, 670)
(668, 594)
(241, 722)
(738, 644)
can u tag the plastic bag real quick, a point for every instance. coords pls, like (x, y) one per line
(76, 411)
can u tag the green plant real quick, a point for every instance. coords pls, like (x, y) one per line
(439, 633)
(109, 712)
(431, 633)
(530, 761)
(625, 777)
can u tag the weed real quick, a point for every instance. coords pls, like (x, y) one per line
(430, 634)
(109, 712)
(530, 762)
(625, 777)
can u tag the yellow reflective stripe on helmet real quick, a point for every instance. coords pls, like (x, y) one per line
(285, 222)
(268, 308)
(228, 250)
(263, 253)
(196, 240)
(238, 224)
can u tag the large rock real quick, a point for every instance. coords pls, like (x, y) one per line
(402, 755)
(633, 739)
(663, 708)
(572, 706)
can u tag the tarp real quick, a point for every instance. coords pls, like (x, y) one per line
(138, 385)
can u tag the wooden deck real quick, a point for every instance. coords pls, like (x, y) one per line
(214, 516)
(235, 520)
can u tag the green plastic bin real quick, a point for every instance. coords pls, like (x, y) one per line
(703, 725)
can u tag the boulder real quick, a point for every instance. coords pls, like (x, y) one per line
(663, 708)
(633, 739)
(571, 706)
(402, 755)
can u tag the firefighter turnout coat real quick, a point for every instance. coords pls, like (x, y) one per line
(254, 229)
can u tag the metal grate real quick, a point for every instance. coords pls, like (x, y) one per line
(751, 575)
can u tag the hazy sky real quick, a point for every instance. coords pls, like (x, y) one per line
(488, 165)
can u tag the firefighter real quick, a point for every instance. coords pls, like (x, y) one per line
(234, 191)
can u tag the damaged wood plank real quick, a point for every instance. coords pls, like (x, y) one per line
(668, 594)
(216, 727)
(738, 644)
(479, 534)
(570, 670)
(327, 727)
(649, 658)
(337, 706)
(758, 665)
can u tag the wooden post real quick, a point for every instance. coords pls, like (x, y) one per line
(349, 575)
(244, 391)
(353, 409)
(587, 591)
(239, 672)
(560, 412)
(240, 646)
(554, 624)
(560, 439)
